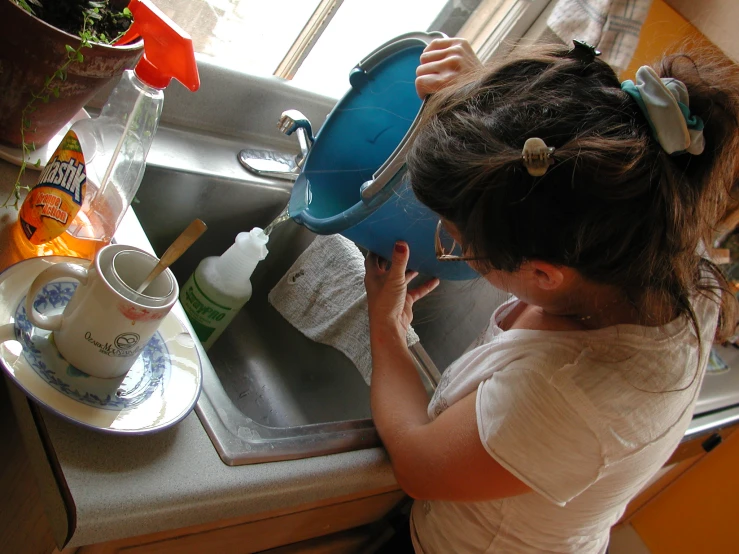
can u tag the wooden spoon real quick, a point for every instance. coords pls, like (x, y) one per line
(175, 250)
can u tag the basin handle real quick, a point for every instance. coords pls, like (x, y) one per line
(391, 167)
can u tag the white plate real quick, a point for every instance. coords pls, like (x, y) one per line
(43, 153)
(161, 388)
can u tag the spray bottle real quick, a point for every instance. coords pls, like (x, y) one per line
(88, 184)
(220, 285)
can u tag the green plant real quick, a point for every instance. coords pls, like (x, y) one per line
(26, 5)
(104, 19)
(96, 17)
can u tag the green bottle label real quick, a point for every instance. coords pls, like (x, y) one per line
(204, 313)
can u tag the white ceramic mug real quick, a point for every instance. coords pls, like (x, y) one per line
(107, 323)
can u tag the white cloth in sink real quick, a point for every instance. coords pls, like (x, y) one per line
(323, 296)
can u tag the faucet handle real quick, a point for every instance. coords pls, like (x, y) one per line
(292, 120)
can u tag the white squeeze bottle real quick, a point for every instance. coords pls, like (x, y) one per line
(220, 285)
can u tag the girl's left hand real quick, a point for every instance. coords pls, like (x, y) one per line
(442, 61)
(389, 301)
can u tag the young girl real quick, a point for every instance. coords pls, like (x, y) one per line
(583, 385)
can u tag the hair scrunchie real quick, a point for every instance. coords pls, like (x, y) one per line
(665, 104)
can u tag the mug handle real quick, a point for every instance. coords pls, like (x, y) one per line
(7, 332)
(51, 322)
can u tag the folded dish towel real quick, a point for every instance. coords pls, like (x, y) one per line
(611, 25)
(323, 296)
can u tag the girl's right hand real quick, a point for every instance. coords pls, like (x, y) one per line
(443, 60)
(389, 302)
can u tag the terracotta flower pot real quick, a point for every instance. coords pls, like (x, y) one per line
(30, 51)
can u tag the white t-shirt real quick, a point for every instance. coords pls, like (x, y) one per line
(584, 418)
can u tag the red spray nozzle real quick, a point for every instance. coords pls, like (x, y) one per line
(168, 50)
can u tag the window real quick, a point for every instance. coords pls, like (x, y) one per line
(317, 42)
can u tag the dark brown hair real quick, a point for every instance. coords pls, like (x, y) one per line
(615, 206)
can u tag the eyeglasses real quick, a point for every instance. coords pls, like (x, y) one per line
(446, 246)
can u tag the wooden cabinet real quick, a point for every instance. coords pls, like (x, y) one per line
(694, 500)
(25, 527)
(698, 511)
(23, 523)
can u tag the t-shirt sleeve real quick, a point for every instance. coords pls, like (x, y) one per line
(530, 428)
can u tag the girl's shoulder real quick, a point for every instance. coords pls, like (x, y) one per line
(519, 315)
(630, 359)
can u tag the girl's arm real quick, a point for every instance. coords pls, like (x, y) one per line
(442, 459)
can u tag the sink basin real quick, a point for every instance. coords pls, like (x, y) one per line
(270, 393)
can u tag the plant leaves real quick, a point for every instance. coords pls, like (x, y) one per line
(25, 5)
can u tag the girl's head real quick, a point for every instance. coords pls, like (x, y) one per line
(614, 205)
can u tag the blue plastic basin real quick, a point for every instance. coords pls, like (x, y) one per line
(361, 133)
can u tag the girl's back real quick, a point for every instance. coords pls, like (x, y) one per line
(585, 418)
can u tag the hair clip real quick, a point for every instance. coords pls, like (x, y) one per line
(537, 156)
(584, 51)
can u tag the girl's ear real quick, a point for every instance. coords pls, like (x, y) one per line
(544, 275)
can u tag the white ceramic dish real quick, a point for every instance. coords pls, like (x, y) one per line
(43, 153)
(160, 389)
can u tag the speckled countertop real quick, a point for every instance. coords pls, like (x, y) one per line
(122, 486)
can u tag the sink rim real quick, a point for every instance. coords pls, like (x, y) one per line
(295, 442)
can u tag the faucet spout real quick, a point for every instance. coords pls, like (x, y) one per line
(292, 121)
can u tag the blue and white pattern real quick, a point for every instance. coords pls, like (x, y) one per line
(149, 373)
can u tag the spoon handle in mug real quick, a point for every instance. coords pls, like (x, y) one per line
(175, 250)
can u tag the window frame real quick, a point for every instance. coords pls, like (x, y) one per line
(500, 24)
(307, 38)
(492, 28)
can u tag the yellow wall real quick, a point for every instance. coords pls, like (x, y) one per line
(662, 30)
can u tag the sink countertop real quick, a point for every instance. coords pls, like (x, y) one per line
(124, 486)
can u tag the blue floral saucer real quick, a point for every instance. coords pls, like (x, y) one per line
(160, 389)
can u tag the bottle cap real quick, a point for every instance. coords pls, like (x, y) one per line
(168, 50)
(238, 262)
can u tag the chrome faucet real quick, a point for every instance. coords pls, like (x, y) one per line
(276, 164)
(292, 121)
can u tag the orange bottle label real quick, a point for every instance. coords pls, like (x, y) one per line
(53, 203)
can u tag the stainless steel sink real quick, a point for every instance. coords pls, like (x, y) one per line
(269, 392)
